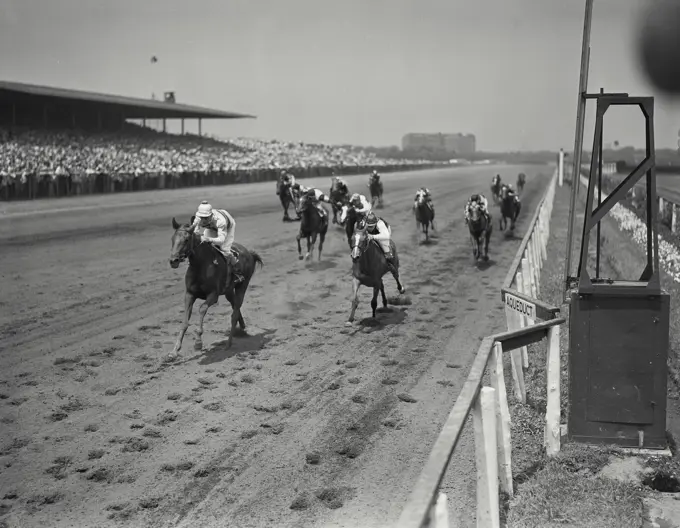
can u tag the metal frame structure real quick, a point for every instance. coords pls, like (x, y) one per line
(592, 219)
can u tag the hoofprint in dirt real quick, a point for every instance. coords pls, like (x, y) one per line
(302, 423)
(571, 489)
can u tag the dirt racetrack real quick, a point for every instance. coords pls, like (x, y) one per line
(304, 422)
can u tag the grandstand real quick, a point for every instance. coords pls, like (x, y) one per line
(33, 105)
(57, 142)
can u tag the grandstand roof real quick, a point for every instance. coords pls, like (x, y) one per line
(130, 107)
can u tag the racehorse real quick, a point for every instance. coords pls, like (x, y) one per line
(496, 188)
(368, 268)
(313, 223)
(521, 180)
(338, 200)
(208, 276)
(510, 208)
(376, 189)
(349, 218)
(424, 215)
(288, 197)
(480, 232)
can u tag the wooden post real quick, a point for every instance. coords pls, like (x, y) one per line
(523, 321)
(502, 420)
(514, 323)
(552, 409)
(484, 416)
(674, 217)
(440, 519)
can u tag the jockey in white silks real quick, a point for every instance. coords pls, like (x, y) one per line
(360, 204)
(425, 192)
(224, 225)
(378, 230)
(483, 206)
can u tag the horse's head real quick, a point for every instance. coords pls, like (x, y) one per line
(420, 197)
(344, 213)
(504, 191)
(183, 241)
(359, 241)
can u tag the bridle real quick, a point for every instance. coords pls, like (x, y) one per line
(187, 252)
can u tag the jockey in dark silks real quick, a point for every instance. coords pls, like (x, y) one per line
(511, 192)
(315, 196)
(374, 178)
(483, 206)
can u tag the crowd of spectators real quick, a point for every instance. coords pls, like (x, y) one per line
(136, 151)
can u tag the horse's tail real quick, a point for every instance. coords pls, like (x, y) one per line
(257, 258)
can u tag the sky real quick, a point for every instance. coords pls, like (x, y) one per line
(364, 72)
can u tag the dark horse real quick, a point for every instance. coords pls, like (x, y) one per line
(510, 208)
(424, 215)
(288, 197)
(209, 275)
(521, 180)
(376, 188)
(480, 232)
(496, 188)
(338, 199)
(314, 222)
(349, 217)
(368, 268)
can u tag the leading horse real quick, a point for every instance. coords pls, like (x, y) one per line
(368, 268)
(424, 214)
(480, 228)
(314, 223)
(496, 188)
(510, 208)
(209, 275)
(288, 197)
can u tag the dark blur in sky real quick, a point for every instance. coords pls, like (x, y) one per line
(345, 71)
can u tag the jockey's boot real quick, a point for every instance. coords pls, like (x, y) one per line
(236, 270)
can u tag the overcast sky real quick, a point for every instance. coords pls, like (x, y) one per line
(354, 71)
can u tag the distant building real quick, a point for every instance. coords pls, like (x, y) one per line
(460, 144)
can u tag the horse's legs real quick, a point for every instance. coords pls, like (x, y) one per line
(374, 300)
(299, 246)
(189, 300)
(395, 274)
(210, 300)
(311, 240)
(382, 292)
(322, 237)
(355, 301)
(236, 316)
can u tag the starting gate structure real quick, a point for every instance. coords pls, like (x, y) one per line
(618, 329)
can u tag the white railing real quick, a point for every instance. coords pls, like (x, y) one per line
(427, 507)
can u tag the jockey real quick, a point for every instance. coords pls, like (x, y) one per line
(483, 206)
(225, 226)
(341, 185)
(287, 178)
(361, 205)
(378, 230)
(374, 177)
(512, 192)
(315, 196)
(426, 195)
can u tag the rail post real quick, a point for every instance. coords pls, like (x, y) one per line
(484, 416)
(552, 408)
(502, 419)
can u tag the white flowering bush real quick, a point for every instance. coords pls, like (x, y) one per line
(629, 222)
